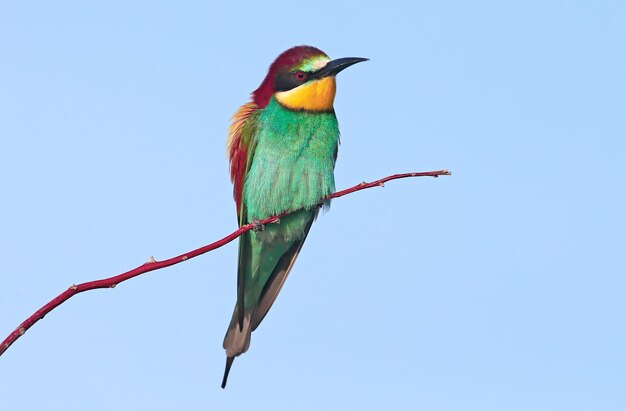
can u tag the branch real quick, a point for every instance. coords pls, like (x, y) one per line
(155, 265)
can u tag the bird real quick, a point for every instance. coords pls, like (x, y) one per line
(282, 147)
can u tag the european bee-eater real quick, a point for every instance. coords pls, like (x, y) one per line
(282, 148)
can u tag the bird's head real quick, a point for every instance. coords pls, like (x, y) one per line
(302, 78)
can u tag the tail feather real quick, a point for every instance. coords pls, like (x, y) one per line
(265, 261)
(229, 363)
(236, 341)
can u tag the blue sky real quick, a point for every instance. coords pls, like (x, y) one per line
(502, 287)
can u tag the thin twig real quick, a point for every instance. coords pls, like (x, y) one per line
(153, 264)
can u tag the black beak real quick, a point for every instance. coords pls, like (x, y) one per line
(335, 66)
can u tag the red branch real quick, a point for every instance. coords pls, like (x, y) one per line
(152, 265)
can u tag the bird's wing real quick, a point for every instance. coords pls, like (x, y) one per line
(280, 272)
(240, 149)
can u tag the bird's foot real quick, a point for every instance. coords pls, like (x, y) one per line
(257, 226)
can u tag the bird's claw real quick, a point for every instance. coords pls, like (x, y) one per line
(257, 226)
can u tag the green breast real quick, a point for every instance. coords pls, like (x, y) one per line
(293, 162)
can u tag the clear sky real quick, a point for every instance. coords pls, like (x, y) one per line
(502, 287)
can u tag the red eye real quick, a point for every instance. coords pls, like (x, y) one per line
(300, 75)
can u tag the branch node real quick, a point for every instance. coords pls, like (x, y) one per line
(73, 287)
(381, 184)
(21, 330)
(257, 226)
(113, 285)
(152, 260)
(184, 258)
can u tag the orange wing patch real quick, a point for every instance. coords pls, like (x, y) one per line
(238, 149)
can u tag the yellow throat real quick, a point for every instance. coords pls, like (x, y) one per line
(317, 95)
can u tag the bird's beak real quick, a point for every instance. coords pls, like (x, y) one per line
(335, 66)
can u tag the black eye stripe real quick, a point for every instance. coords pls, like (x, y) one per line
(290, 79)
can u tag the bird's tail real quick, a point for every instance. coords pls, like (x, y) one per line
(229, 363)
(236, 341)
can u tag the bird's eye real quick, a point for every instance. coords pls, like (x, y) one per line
(300, 75)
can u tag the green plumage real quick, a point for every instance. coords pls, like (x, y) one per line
(291, 162)
(282, 147)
